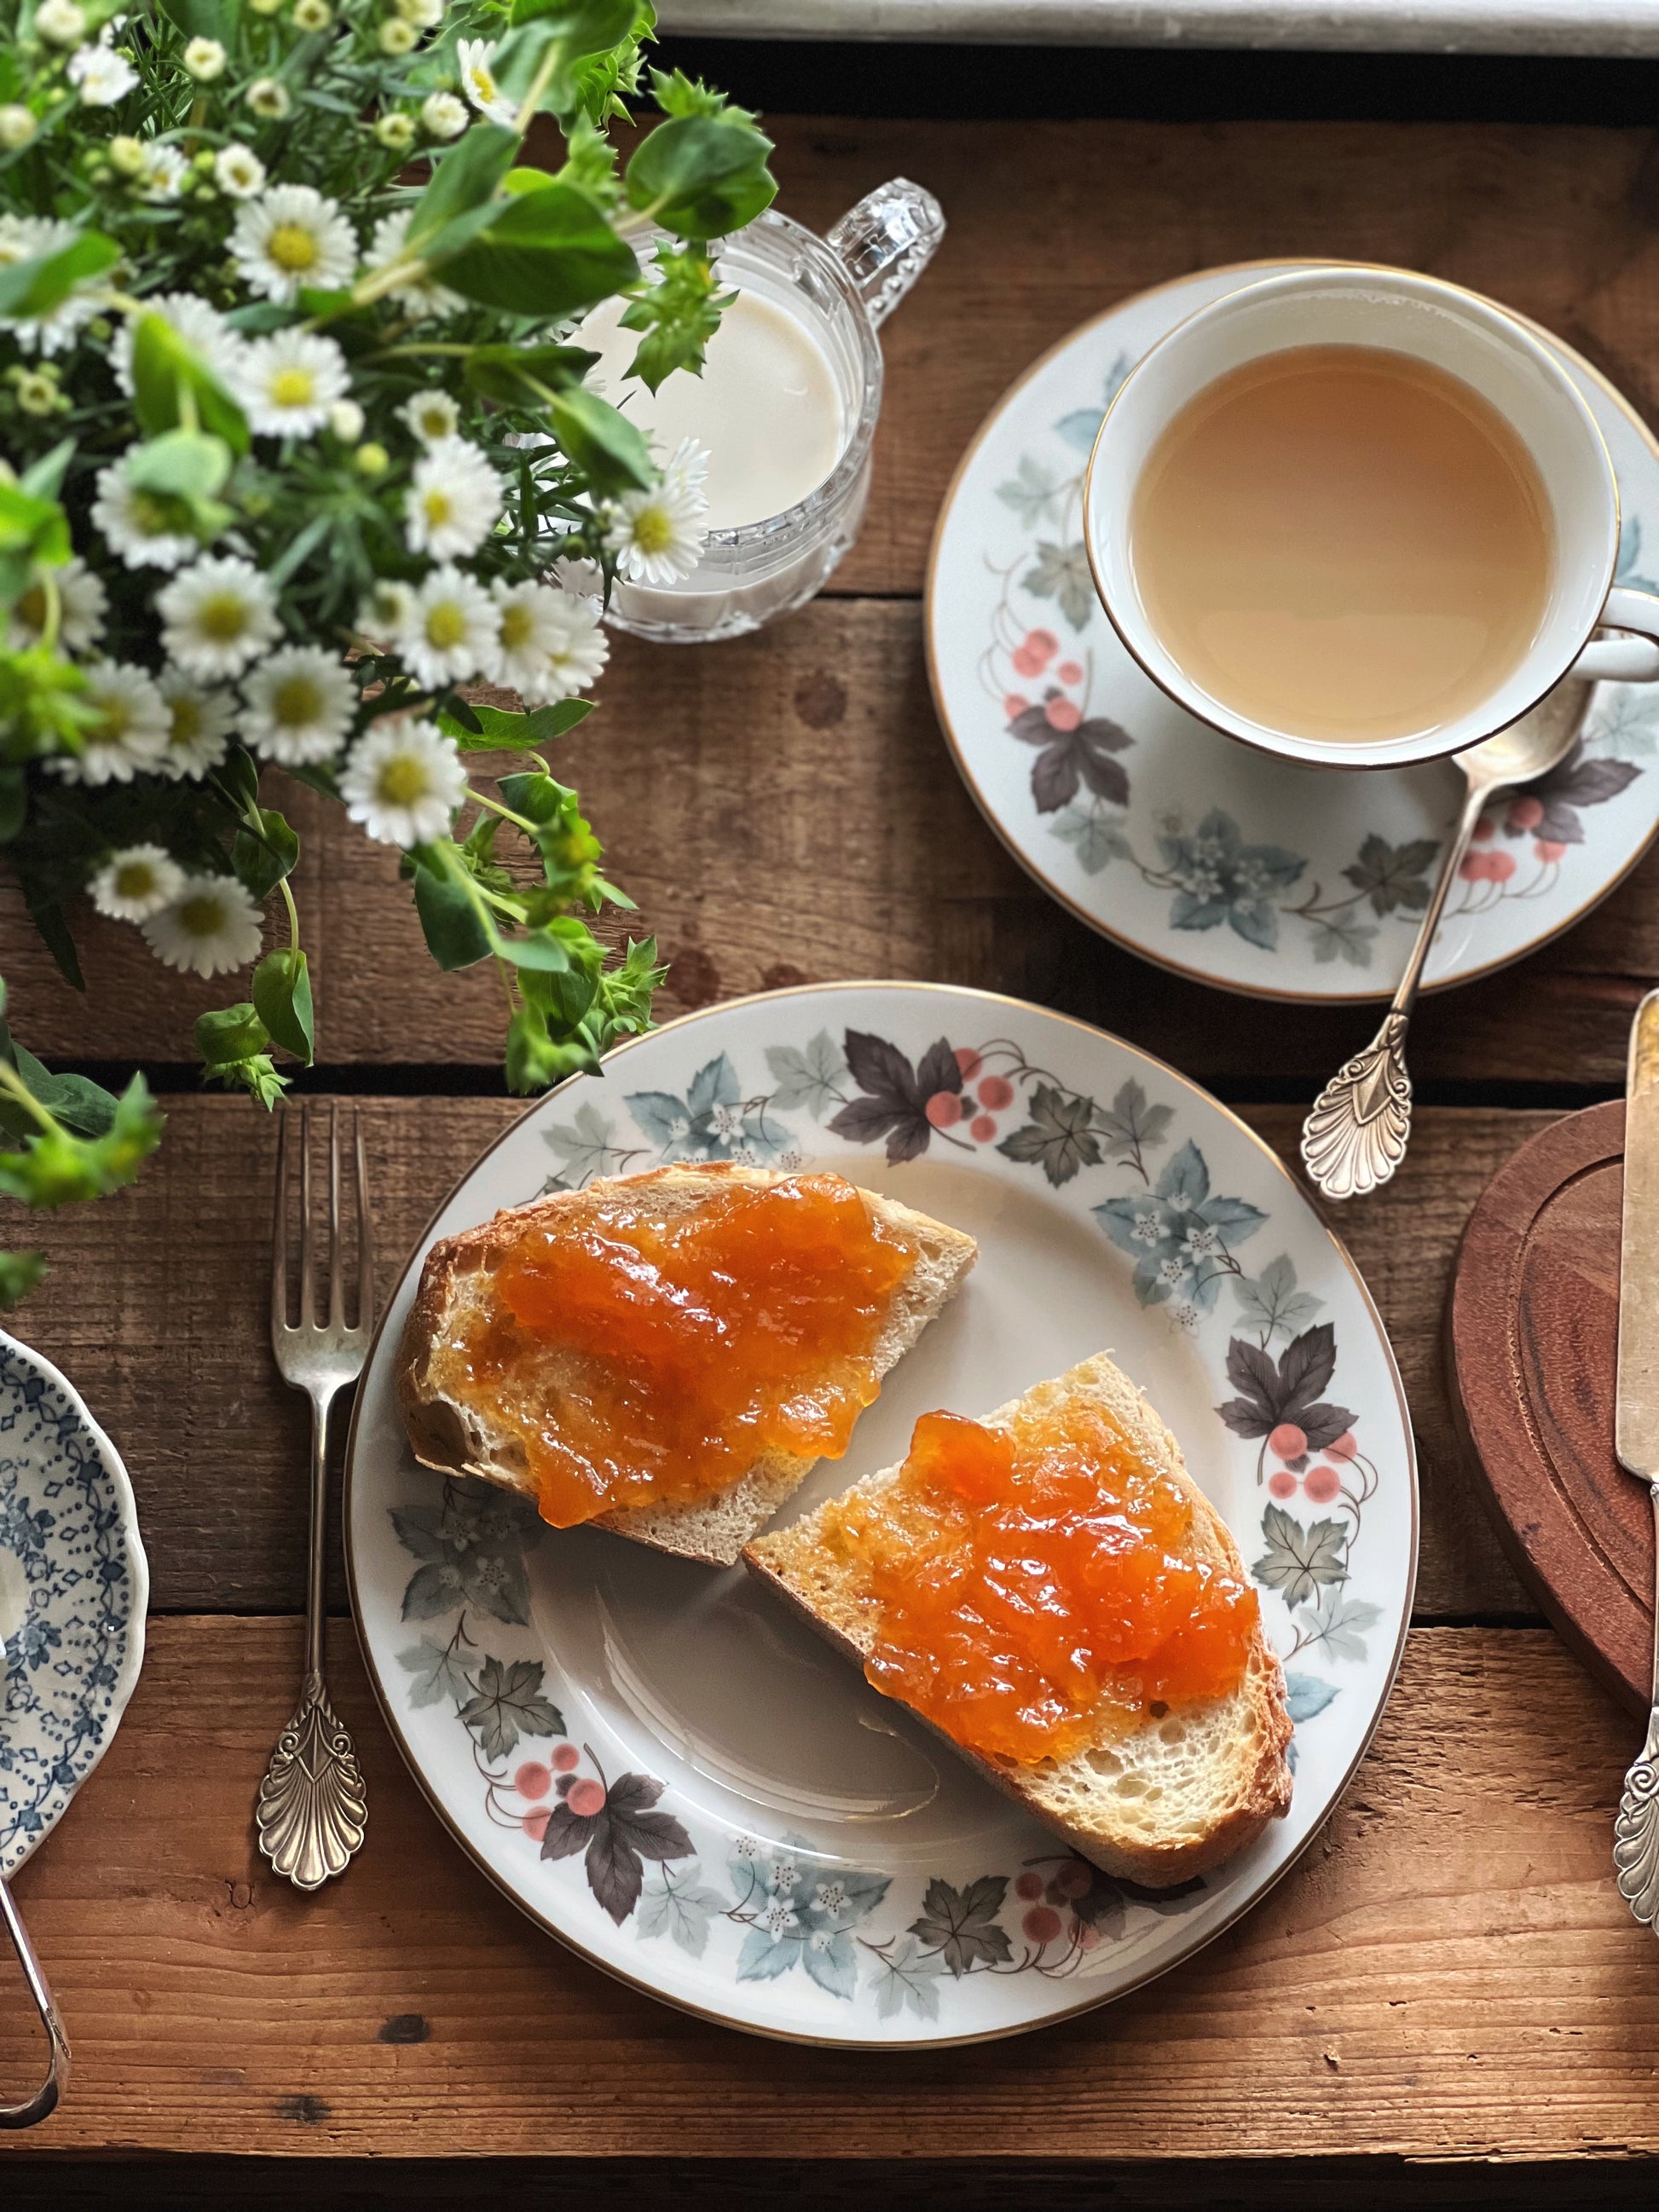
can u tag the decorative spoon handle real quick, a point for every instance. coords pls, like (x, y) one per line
(1356, 1134)
(1635, 1831)
(44, 2099)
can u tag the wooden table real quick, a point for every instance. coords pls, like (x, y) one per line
(1450, 1975)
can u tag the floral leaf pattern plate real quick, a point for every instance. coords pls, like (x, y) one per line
(688, 1785)
(1261, 875)
(74, 1583)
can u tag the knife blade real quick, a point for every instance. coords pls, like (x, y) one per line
(1636, 1420)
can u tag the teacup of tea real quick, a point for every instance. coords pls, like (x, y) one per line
(1360, 517)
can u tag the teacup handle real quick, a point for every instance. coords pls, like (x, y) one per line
(1627, 660)
(886, 241)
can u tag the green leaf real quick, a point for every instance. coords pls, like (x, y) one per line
(499, 731)
(263, 862)
(539, 950)
(702, 176)
(510, 374)
(534, 1061)
(554, 249)
(463, 181)
(603, 443)
(43, 479)
(33, 288)
(170, 379)
(231, 1033)
(582, 26)
(35, 531)
(204, 19)
(181, 463)
(679, 314)
(76, 1100)
(47, 915)
(19, 1273)
(282, 993)
(676, 94)
(56, 1167)
(450, 922)
(14, 802)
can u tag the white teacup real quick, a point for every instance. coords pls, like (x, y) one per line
(1452, 329)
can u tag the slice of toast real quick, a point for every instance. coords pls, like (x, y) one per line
(1190, 1787)
(455, 1286)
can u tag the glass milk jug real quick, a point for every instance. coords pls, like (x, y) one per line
(839, 290)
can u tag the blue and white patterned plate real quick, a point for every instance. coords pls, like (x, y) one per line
(1262, 876)
(74, 1582)
(690, 1787)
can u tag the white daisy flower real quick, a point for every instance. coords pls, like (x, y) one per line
(18, 126)
(135, 883)
(269, 98)
(454, 499)
(299, 703)
(161, 172)
(239, 172)
(404, 781)
(473, 57)
(551, 645)
(655, 534)
(103, 75)
(129, 733)
(311, 15)
(419, 291)
(136, 525)
(395, 131)
(288, 383)
(29, 238)
(200, 725)
(384, 611)
(218, 616)
(213, 926)
(60, 22)
(442, 116)
(82, 600)
(431, 415)
(450, 630)
(206, 60)
(289, 236)
(395, 37)
(425, 14)
(202, 327)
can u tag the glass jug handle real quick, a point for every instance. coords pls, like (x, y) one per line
(886, 241)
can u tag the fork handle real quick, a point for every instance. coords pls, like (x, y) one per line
(317, 1552)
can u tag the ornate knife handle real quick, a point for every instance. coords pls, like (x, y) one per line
(1635, 1831)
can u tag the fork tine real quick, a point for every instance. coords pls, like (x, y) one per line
(279, 1230)
(365, 1233)
(308, 1296)
(336, 1274)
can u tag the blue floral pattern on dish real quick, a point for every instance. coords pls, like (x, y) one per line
(73, 1584)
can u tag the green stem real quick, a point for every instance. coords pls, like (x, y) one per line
(551, 61)
(506, 812)
(292, 916)
(12, 1081)
(54, 609)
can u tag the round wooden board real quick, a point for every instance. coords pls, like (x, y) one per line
(1532, 1326)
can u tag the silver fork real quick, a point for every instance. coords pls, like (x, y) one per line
(312, 1807)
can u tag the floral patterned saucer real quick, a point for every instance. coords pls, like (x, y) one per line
(667, 1771)
(74, 1583)
(1259, 875)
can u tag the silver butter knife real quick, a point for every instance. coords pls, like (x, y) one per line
(1635, 1831)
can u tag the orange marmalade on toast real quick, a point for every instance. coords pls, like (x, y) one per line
(647, 1354)
(1039, 1586)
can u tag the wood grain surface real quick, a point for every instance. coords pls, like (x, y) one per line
(157, 1304)
(1448, 1973)
(1533, 1326)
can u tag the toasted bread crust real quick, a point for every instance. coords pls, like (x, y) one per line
(1261, 1790)
(441, 1435)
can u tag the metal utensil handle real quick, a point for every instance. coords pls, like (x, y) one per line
(1635, 1831)
(44, 2099)
(886, 241)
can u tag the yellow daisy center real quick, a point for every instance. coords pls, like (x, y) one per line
(402, 781)
(516, 626)
(31, 608)
(652, 531)
(136, 880)
(437, 507)
(223, 618)
(201, 916)
(114, 719)
(434, 423)
(445, 626)
(186, 721)
(293, 387)
(292, 247)
(296, 701)
(483, 83)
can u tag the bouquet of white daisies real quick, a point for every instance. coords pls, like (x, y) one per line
(297, 447)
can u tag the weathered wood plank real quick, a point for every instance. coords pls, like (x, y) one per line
(784, 809)
(156, 1306)
(1450, 1974)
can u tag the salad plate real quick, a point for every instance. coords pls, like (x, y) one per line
(685, 1784)
(74, 1583)
(1257, 875)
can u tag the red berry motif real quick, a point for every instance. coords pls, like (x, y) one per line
(981, 1128)
(968, 1061)
(1028, 1885)
(565, 1757)
(1321, 1484)
(1040, 1924)
(1525, 812)
(535, 1824)
(1282, 1485)
(1074, 1880)
(1288, 1441)
(944, 1107)
(1070, 672)
(1346, 1447)
(1548, 849)
(996, 1093)
(586, 1798)
(532, 1779)
(1500, 867)
(1063, 714)
(1014, 705)
(1484, 828)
